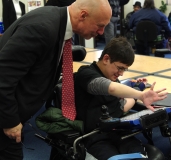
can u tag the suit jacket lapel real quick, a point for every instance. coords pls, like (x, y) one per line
(62, 29)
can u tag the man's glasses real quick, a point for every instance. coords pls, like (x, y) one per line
(120, 69)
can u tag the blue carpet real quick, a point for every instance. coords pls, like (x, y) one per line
(167, 56)
(162, 143)
(41, 149)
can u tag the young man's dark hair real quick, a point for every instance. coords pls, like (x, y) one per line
(119, 49)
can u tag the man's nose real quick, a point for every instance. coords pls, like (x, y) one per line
(100, 31)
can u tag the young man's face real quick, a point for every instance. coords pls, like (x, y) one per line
(116, 69)
(113, 70)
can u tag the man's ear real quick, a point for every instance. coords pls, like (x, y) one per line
(83, 15)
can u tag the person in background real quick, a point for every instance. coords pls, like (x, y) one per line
(97, 84)
(111, 29)
(149, 12)
(31, 62)
(12, 10)
(136, 7)
(127, 33)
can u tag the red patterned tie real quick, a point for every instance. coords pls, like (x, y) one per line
(68, 98)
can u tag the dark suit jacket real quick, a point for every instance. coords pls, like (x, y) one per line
(9, 13)
(29, 63)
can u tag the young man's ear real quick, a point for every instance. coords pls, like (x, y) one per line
(106, 58)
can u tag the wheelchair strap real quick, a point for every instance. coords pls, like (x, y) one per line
(127, 156)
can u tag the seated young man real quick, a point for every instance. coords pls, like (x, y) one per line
(96, 85)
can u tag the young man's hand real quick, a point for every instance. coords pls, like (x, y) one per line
(14, 133)
(151, 96)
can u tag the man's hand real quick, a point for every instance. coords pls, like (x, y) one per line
(151, 96)
(14, 133)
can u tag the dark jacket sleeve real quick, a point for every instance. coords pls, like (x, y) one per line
(128, 17)
(5, 14)
(165, 25)
(22, 6)
(17, 58)
(123, 2)
(131, 22)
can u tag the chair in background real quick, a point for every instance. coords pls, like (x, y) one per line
(128, 32)
(161, 52)
(146, 36)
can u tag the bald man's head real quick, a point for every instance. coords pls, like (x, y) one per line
(93, 5)
(89, 17)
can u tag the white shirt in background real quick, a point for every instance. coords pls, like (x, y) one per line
(17, 8)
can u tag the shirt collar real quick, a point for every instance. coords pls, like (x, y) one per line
(68, 32)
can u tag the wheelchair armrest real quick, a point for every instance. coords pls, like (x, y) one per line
(66, 136)
(109, 124)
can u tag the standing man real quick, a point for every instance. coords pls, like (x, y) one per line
(111, 29)
(30, 62)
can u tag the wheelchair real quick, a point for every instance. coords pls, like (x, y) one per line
(69, 145)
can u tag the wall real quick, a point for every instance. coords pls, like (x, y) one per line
(158, 4)
(24, 1)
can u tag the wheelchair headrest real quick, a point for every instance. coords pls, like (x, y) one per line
(78, 53)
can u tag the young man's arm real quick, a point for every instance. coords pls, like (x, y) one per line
(103, 86)
(147, 97)
(129, 103)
